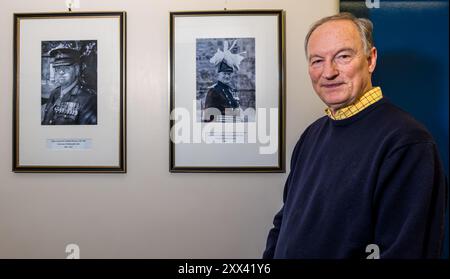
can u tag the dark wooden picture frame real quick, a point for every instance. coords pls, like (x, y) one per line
(41, 45)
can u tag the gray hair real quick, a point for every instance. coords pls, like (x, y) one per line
(363, 25)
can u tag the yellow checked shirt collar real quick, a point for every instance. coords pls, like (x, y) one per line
(370, 97)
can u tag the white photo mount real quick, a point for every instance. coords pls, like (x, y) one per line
(75, 148)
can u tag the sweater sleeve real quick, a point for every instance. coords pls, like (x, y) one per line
(409, 203)
(272, 238)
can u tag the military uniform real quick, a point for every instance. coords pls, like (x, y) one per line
(220, 95)
(76, 107)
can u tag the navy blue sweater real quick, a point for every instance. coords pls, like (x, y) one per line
(373, 178)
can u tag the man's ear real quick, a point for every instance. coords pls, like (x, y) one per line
(372, 59)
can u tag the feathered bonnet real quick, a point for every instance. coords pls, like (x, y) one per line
(225, 60)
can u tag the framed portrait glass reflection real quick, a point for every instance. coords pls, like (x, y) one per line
(69, 110)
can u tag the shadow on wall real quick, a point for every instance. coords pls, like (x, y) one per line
(398, 74)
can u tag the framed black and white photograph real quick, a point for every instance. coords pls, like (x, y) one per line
(69, 110)
(222, 86)
(69, 69)
(227, 91)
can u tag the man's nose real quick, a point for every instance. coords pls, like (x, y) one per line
(330, 70)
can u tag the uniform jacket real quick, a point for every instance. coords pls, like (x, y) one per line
(76, 107)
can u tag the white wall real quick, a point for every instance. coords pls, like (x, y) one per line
(148, 212)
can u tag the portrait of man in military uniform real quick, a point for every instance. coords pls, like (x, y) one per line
(68, 97)
(225, 78)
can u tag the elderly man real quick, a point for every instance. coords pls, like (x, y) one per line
(367, 172)
(70, 103)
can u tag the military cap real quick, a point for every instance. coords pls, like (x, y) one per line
(65, 56)
(224, 67)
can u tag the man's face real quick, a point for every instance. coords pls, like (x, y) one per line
(339, 69)
(65, 75)
(225, 77)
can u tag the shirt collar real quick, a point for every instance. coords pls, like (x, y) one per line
(370, 97)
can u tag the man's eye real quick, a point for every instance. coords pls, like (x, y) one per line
(315, 62)
(344, 57)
